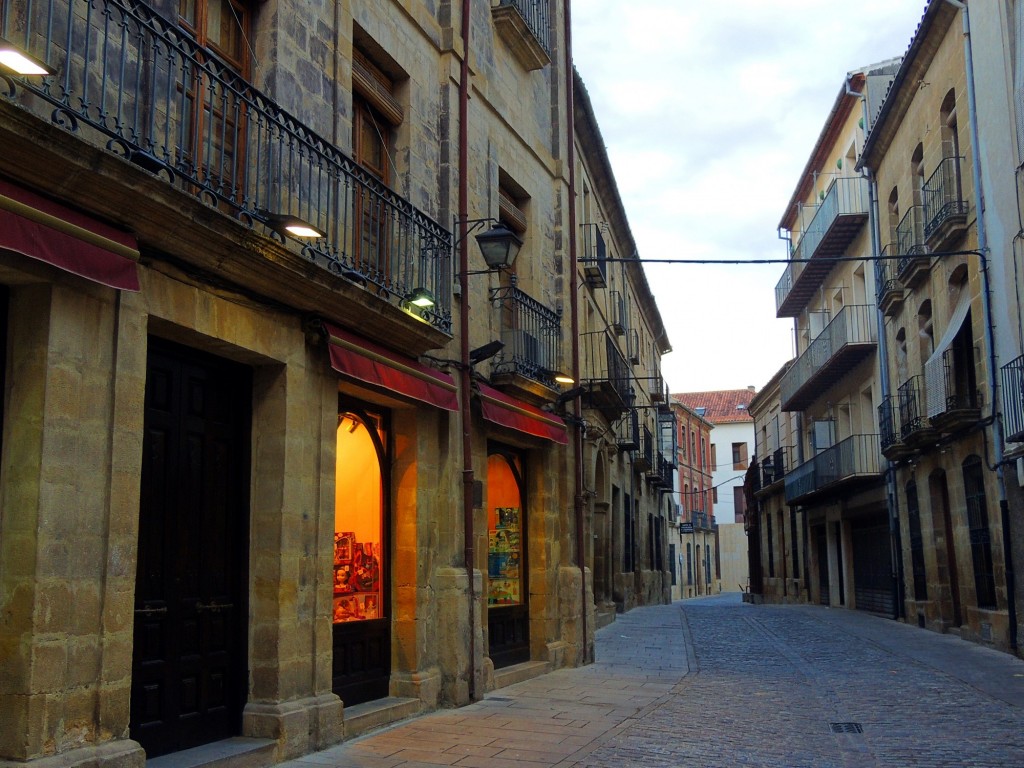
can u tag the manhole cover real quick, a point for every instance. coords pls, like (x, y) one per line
(846, 727)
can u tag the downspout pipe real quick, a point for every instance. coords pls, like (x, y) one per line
(465, 370)
(577, 442)
(891, 498)
(997, 423)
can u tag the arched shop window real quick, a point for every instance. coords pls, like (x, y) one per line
(359, 551)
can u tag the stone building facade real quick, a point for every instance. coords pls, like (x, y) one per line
(923, 531)
(277, 485)
(697, 530)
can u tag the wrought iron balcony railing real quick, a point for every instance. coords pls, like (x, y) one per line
(838, 218)
(855, 457)
(532, 334)
(912, 248)
(617, 320)
(537, 15)
(848, 338)
(944, 204)
(132, 82)
(606, 374)
(912, 411)
(595, 256)
(644, 459)
(1013, 400)
(888, 288)
(889, 433)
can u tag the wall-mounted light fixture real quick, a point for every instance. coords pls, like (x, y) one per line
(21, 63)
(287, 224)
(499, 245)
(486, 352)
(421, 297)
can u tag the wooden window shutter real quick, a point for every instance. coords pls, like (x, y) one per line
(376, 87)
(510, 213)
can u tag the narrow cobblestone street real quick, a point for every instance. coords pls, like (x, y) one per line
(716, 682)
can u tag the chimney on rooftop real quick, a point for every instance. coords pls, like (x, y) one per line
(751, 388)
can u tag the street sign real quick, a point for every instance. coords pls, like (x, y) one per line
(686, 527)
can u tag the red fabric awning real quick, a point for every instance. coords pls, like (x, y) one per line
(42, 229)
(498, 408)
(372, 364)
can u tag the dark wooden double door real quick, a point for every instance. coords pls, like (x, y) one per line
(189, 658)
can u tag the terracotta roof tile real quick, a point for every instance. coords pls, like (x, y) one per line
(722, 407)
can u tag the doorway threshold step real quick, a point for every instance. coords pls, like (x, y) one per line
(238, 752)
(361, 718)
(517, 673)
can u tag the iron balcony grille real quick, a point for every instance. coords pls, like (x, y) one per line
(618, 322)
(912, 406)
(1013, 399)
(532, 334)
(910, 239)
(537, 15)
(774, 465)
(842, 343)
(606, 374)
(943, 196)
(595, 256)
(889, 434)
(134, 83)
(856, 456)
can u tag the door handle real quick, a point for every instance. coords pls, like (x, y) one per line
(150, 611)
(214, 607)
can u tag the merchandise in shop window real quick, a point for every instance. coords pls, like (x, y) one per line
(503, 558)
(356, 578)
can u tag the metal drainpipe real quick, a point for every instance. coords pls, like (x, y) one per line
(577, 443)
(997, 424)
(891, 499)
(464, 368)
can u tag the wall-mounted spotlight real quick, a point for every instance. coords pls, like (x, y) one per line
(485, 352)
(421, 297)
(21, 63)
(292, 225)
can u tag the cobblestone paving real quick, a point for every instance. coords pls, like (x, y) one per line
(769, 681)
(716, 682)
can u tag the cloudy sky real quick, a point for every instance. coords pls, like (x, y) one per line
(709, 111)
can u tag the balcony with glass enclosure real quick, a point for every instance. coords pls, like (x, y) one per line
(836, 222)
(847, 340)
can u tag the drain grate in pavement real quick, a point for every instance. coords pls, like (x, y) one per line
(846, 727)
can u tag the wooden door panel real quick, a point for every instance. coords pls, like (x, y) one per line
(189, 659)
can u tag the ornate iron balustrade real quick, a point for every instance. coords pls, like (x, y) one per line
(853, 325)
(1013, 400)
(856, 456)
(943, 196)
(537, 15)
(135, 83)
(912, 410)
(532, 334)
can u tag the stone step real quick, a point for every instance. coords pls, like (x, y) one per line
(361, 718)
(238, 752)
(518, 672)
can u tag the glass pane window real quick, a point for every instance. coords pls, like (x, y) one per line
(359, 557)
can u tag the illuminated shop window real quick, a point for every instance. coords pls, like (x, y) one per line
(505, 534)
(358, 522)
